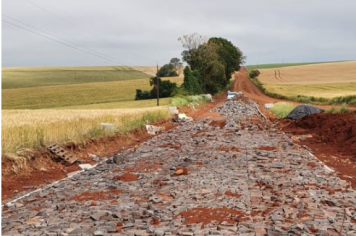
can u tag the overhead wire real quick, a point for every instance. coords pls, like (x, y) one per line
(68, 41)
(55, 40)
(74, 25)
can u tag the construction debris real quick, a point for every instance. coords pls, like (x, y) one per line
(60, 155)
(108, 127)
(152, 130)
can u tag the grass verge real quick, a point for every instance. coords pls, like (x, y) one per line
(282, 109)
(35, 128)
(184, 100)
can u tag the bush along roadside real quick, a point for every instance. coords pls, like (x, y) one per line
(341, 100)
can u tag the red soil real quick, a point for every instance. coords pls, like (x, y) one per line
(126, 177)
(332, 139)
(228, 149)
(265, 148)
(155, 221)
(207, 215)
(231, 194)
(218, 122)
(181, 171)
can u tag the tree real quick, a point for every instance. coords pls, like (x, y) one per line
(168, 70)
(191, 82)
(215, 60)
(177, 64)
(166, 87)
(140, 95)
(254, 73)
(191, 43)
(214, 79)
(229, 55)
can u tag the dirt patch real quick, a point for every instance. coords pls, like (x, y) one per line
(94, 196)
(181, 171)
(231, 194)
(207, 215)
(219, 123)
(126, 177)
(332, 138)
(155, 221)
(198, 163)
(228, 149)
(266, 148)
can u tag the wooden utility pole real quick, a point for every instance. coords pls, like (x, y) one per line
(157, 86)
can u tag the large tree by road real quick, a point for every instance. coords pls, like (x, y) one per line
(215, 60)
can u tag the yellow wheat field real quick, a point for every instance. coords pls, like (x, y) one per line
(35, 128)
(323, 73)
(327, 80)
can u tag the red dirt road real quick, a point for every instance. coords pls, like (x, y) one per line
(243, 83)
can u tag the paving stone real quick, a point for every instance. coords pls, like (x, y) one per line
(228, 168)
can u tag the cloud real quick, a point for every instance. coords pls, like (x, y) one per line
(141, 32)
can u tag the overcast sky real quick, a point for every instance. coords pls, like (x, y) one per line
(141, 32)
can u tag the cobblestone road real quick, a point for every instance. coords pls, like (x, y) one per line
(237, 175)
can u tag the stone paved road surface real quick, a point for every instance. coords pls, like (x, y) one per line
(237, 175)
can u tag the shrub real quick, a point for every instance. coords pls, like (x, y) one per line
(140, 95)
(343, 109)
(331, 110)
(191, 82)
(168, 70)
(254, 73)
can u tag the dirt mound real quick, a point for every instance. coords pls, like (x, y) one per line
(337, 130)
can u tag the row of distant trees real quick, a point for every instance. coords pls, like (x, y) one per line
(211, 63)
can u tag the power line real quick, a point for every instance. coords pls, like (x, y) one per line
(70, 42)
(65, 44)
(74, 25)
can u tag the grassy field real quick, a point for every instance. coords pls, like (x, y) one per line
(59, 104)
(327, 90)
(34, 128)
(52, 76)
(325, 80)
(278, 65)
(76, 94)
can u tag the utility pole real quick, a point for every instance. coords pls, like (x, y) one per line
(157, 86)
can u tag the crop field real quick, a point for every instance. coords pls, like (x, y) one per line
(41, 105)
(279, 65)
(326, 80)
(98, 85)
(52, 76)
(33, 128)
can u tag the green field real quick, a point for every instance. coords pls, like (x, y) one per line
(279, 65)
(38, 88)
(53, 76)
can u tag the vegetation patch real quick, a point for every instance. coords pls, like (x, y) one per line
(26, 77)
(35, 128)
(282, 109)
